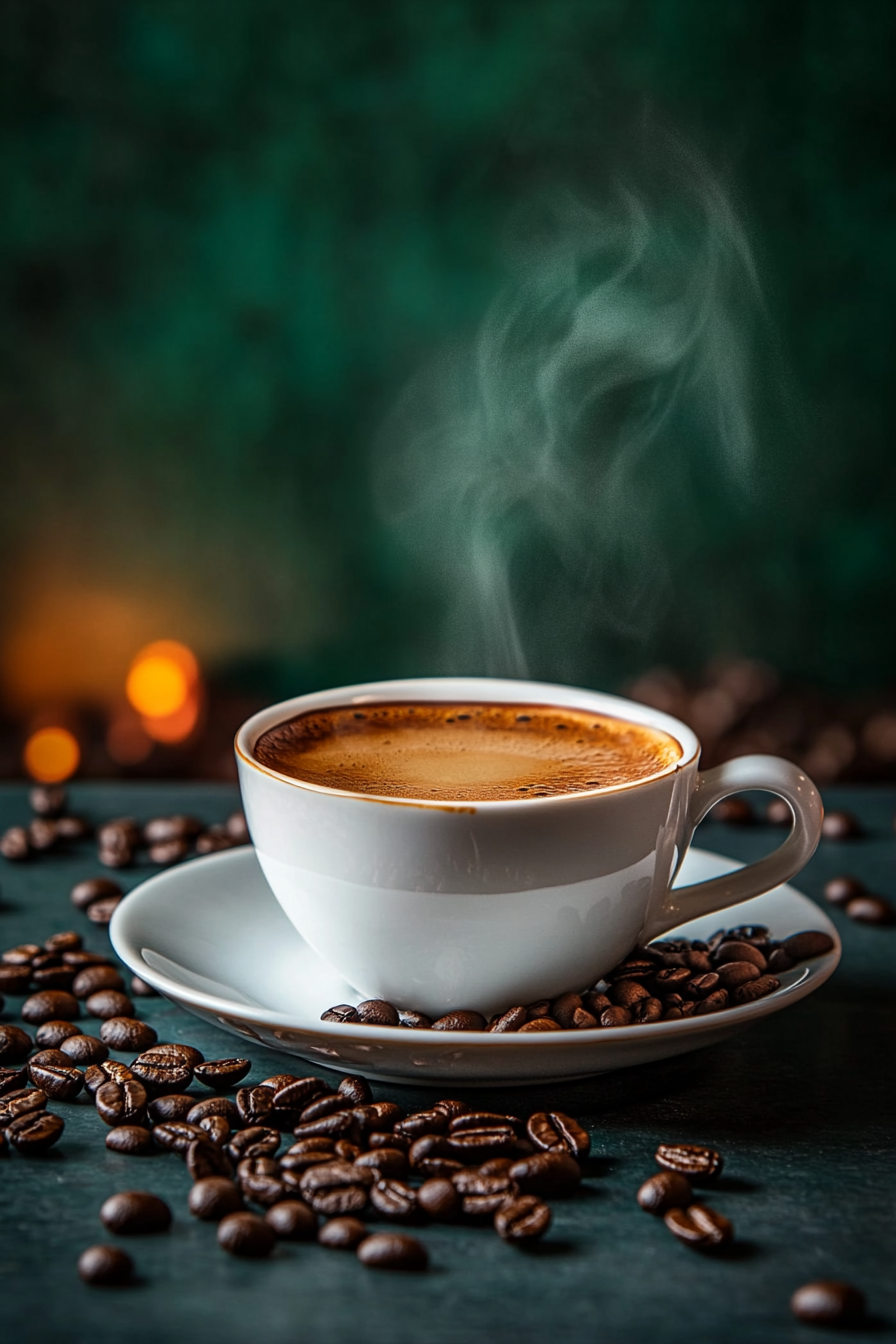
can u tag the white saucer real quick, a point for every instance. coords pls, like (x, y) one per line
(210, 935)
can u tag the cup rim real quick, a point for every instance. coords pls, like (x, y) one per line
(498, 689)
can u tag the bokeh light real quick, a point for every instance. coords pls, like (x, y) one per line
(51, 755)
(163, 687)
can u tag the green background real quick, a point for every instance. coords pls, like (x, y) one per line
(232, 230)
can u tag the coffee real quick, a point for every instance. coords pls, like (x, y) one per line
(465, 752)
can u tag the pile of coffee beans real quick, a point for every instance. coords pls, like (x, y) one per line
(666, 981)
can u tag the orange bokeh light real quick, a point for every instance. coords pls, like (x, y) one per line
(51, 755)
(173, 727)
(162, 679)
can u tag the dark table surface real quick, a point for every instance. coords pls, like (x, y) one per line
(801, 1106)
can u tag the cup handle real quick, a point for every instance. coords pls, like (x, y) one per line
(773, 775)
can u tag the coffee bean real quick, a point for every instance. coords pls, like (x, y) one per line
(582, 1020)
(259, 1180)
(35, 1132)
(175, 1136)
(133, 1212)
(50, 1005)
(648, 1010)
(53, 977)
(134, 1140)
(664, 1191)
(615, 1016)
(245, 1234)
(142, 988)
(336, 1187)
(392, 1250)
(552, 1174)
(50, 1035)
(295, 1095)
(93, 978)
(14, 844)
(341, 1125)
(23, 955)
(342, 1012)
(700, 1165)
(734, 811)
(73, 828)
(378, 1013)
(51, 1058)
(15, 1044)
(342, 1234)
(563, 1009)
(160, 1073)
(23, 1101)
(101, 912)
(626, 993)
(66, 941)
(738, 951)
(328, 1104)
(47, 800)
(840, 826)
(414, 1021)
(173, 1106)
(699, 1227)
(205, 1158)
(756, 989)
(422, 1122)
(222, 1074)
(483, 1120)
(874, 910)
(394, 1199)
(714, 1002)
(778, 813)
(512, 1020)
(59, 1083)
(553, 1131)
(168, 851)
(478, 1145)
(213, 840)
(842, 890)
(12, 1080)
(159, 830)
(105, 1266)
(42, 834)
(701, 986)
(809, 943)
(451, 1108)
(460, 1020)
(828, 1302)
(732, 974)
(217, 1128)
(256, 1141)
(523, 1219)
(378, 1116)
(79, 958)
(83, 894)
(213, 1197)
(121, 1103)
(185, 1054)
(778, 961)
(541, 1024)
(297, 1162)
(14, 979)
(109, 1071)
(127, 1033)
(292, 1220)
(107, 1003)
(385, 1162)
(125, 828)
(439, 1200)
(219, 1106)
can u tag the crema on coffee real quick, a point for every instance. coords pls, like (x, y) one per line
(491, 752)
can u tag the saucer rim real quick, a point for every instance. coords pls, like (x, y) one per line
(814, 975)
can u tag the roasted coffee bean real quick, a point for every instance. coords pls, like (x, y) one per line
(142, 989)
(23, 1101)
(478, 1145)
(683, 1008)
(328, 1104)
(222, 1074)
(49, 1057)
(259, 1180)
(700, 1165)
(701, 986)
(101, 912)
(201, 1110)
(648, 1010)
(47, 800)
(448, 1106)
(414, 1021)
(42, 834)
(377, 1116)
(378, 1013)
(66, 941)
(105, 1266)
(842, 890)
(541, 1024)
(342, 1012)
(292, 1220)
(93, 978)
(296, 1095)
(738, 951)
(50, 1005)
(299, 1162)
(256, 1141)
(430, 1145)
(626, 993)
(840, 826)
(254, 1104)
(35, 1132)
(341, 1125)
(778, 813)
(168, 851)
(874, 910)
(376, 1141)
(664, 1191)
(245, 1234)
(512, 1020)
(347, 1151)
(204, 1158)
(53, 977)
(14, 979)
(356, 1089)
(60, 1084)
(14, 844)
(109, 1071)
(552, 1174)
(778, 961)
(217, 1128)
(237, 828)
(714, 1002)
(386, 1162)
(439, 1200)
(671, 979)
(92, 889)
(756, 989)
(700, 1227)
(121, 1103)
(127, 1033)
(50, 1035)
(15, 1044)
(422, 1122)
(73, 828)
(173, 1106)
(484, 1120)
(732, 974)
(553, 1131)
(12, 1080)
(522, 1219)
(186, 1054)
(734, 811)
(175, 1136)
(159, 830)
(23, 955)
(481, 1181)
(213, 1197)
(79, 958)
(828, 1302)
(134, 1140)
(119, 826)
(394, 1199)
(460, 1020)
(392, 1250)
(698, 962)
(342, 1234)
(160, 1073)
(810, 943)
(541, 1008)
(563, 1009)
(637, 967)
(336, 1187)
(615, 1016)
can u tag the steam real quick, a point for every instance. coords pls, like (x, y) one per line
(543, 475)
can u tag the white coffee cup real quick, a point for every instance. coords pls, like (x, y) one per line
(441, 905)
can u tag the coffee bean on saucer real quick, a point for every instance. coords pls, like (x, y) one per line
(873, 910)
(42, 834)
(809, 943)
(342, 1234)
(615, 1016)
(133, 1212)
(840, 826)
(699, 1227)
(343, 1012)
(14, 844)
(35, 1132)
(378, 1013)
(734, 811)
(108, 1003)
(92, 889)
(94, 978)
(14, 979)
(414, 1021)
(133, 1140)
(121, 1103)
(245, 1234)
(50, 1005)
(47, 800)
(738, 951)
(213, 1198)
(828, 1302)
(626, 993)
(537, 1024)
(461, 1019)
(699, 1164)
(778, 813)
(105, 1266)
(512, 1020)
(525, 1218)
(142, 989)
(664, 1191)
(648, 1010)
(392, 1250)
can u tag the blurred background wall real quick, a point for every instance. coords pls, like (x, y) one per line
(232, 230)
